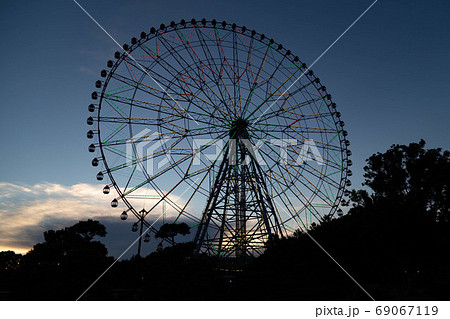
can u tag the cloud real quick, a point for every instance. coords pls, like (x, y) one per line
(29, 210)
(86, 70)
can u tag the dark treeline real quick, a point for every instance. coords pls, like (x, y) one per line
(394, 241)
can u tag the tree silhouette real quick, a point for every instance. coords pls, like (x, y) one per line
(9, 265)
(409, 176)
(88, 229)
(70, 244)
(394, 240)
(65, 263)
(172, 230)
(9, 260)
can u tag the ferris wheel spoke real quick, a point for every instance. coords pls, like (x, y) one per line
(301, 104)
(269, 223)
(215, 107)
(167, 67)
(224, 62)
(305, 202)
(116, 108)
(210, 59)
(137, 85)
(247, 73)
(156, 77)
(137, 103)
(306, 117)
(262, 152)
(208, 55)
(209, 168)
(224, 97)
(135, 121)
(137, 160)
(319, 144)
(275, 161)
(220, 50)
(310, 186)
(288, 183)
(165, 197)
(164, 91)
(235, 70)
(179, 58)
(280, 62)
(230, 113)
(140, 139)
(288, 206)
(272, 93)
(116, 131)
(297, 218)
(173, 165)
(130, 71)
(304, 86)
(280, 110)
(130, 178)
(261, 65)
(201, 129)
(229, 97)
(255, 82)
(116, 152)
(314, 172)
(195, 63)
(188, 92)
(313, 211)
(171, 50)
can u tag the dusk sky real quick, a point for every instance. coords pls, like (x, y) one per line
(389, 75)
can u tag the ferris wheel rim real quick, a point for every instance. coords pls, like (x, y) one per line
(129, 49)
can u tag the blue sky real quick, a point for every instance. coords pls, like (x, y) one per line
(389, 76)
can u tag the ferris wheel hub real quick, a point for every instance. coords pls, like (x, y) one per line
(238, 127)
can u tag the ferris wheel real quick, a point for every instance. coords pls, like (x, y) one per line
(222, 128)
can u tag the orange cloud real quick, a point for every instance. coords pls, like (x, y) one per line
(29, 210)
